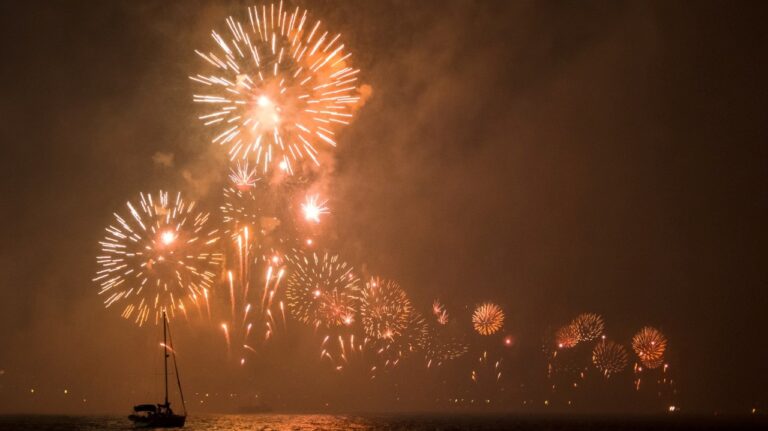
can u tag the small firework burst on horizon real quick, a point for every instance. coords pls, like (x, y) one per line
(567, 337)
(322, 290)
(488, 318)
(650, 344)
(385, 309)
(609, 357)
(588, 326)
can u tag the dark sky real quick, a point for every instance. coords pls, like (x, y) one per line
(554, 157)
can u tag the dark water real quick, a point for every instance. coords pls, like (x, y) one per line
(292, 422)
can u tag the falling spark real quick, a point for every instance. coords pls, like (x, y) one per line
(438, 310)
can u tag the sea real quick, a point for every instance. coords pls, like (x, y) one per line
(296, 422)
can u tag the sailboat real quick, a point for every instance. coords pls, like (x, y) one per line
(161, 415)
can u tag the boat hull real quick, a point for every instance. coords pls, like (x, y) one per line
(158, 421)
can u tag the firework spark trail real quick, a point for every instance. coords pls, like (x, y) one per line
(487, 370)
(322, 290)
(254, 287)
(488, 318)
(243, 177)
(280, 88)
(157, 258)
(440, 313)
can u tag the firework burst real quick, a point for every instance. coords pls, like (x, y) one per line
(242, 176)
(391, 350)
(567, 337)
(488, 319)
(441, 346)
(157, 258)
(280, 86)
(649, 344)
(322, 290)
(313, 208)
(268, 210)
(588, 326)
(440, 313)
(385, 309)
(609, 357)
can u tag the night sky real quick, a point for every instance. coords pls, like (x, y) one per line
(553, 157)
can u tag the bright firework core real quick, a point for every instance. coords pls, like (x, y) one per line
(167, 237)
(266, 114)
(313, 209)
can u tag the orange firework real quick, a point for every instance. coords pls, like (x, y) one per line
(278, 87)
(440, 346)
(322, 290)
(390, 351)
(488, 319)
(609, 357)
(649, 344)
(567, 337)
(268, 210)
(158, 257)
(438, 310)
(385, 309)
(588, 326)
(242, 176)
(313, 208)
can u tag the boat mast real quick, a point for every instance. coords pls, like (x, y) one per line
(165, 359)
(176, 370)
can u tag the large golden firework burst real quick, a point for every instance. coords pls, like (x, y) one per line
(161, 257)
(488, 318)
(649, 344)
(278, 87)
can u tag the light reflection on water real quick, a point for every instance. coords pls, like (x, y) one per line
(288, 422)
(265, 422)
(277, 422)
(260, 422)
